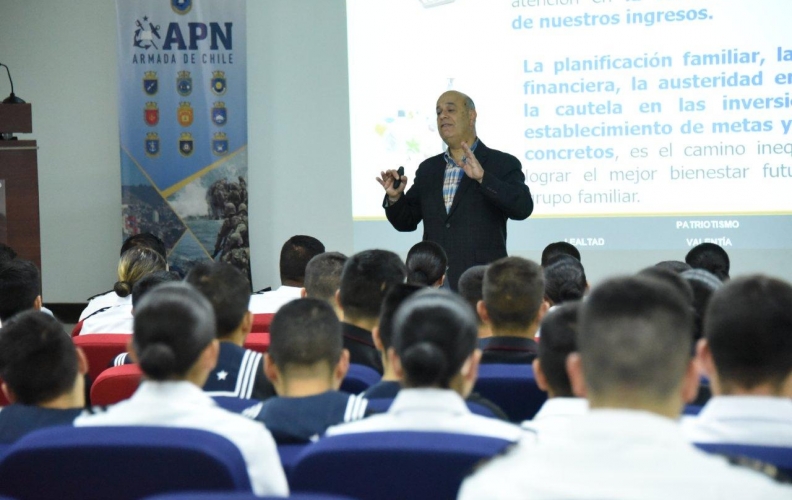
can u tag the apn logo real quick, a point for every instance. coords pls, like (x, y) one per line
(145, 36)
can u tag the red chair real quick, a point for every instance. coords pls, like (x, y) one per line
(115, 384)
(100, 349)
(261, 322)
(258, 342)
(77, 329)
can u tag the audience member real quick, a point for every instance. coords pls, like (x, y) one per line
(553, 250)
(20, 288)
(629, 445)
(565, 280)
(703, 284)
(670, 278)
(306, 362)
(513, 305)
(559, 328)
(175, 343)
(6, 253)
(426, 264)
(294, 257)
(747, 354)
(676, 266)
(323, 278)
(42, 373)
(710, 257)
(469, 288)
(365, 280)
(435, 355)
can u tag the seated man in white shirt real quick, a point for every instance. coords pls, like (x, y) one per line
(634, 366)
(295, 255)
(747, 354)
(559, 328)
(175, 344)
(435, 355)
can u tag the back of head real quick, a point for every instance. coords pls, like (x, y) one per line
(323, 275)
(146, 240)
(634, 338)
(19, 287)
(676, 266)
(38, 360)
(434, 333)
(565, 280)
(559, 248)
(559, 330)
(366, 278)
(710, 257)
(703, 284)
(748, 326)
(393, 299)
(295, 255)
(513, 291)
(305, 332)
(426, 263)
(134, 264)
(670, 278)
(173, 324)
(149, 282)
(227, 289)
(6, 253)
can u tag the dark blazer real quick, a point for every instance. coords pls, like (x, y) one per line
(473, 232)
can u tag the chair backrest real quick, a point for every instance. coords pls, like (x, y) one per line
(261, 322)
(288, 456)
(258, 342)
(359, 378)
(779, 456)
(511, 387)
(77, 329)
(100, 349)
(115, 384)
(381, 405)
(120, 463)
(391, 465)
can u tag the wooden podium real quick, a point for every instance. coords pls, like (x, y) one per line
(19, 179)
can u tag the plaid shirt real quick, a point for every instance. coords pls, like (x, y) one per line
(453, 175)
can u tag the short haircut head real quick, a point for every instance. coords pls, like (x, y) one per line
(670, 278)
(635, 336)
(426, 263)
(470, 285)
(295, 255)
(146, 240)
(227, 289)
(323, 275)
(703, 284)
(38, 360)
(148, 282)
(748, 326)
(676, 266)
(6, 253)
(305, 332)
(710, 257)
(513, 291)
(393, 299)
(134, 264)
(173, 325)
(559, 248)
(559, 330)
(19, 287)
(366, 278)
(565, 280)
(434, 332)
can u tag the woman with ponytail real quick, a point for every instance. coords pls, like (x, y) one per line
(175, 343)
(435, 356)
(426, 264)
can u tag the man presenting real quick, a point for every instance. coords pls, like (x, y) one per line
(464, 195)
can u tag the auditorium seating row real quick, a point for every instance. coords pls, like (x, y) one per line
(261, 324)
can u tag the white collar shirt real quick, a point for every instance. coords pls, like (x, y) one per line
(751, 420)
(109, 299)
(618, 455)
(116, 319)
(432, 410)
(182, 404)
(270, 302)
(555, 415)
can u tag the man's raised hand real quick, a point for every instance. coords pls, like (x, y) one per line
(386, 181)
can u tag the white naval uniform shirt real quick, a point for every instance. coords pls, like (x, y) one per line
(182, 404)
(109, 299)
(270, 302)
(432, 410)
(618, 455)
(555, 415)
(116, 319)
(753, 420)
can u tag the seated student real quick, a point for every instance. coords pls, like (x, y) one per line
(365, 280)
(135, 263)
(306, 362)
(469, 288)
(553, 250)
(434, 353)
(565, 280)
(559, 328)
(426, 264)
(513, 305)
(176, 346)
(294, 257)
(629, 445)
(112, 298)
(42, 373)
(710, 257)
(747, 354)
(20, 288)
(676, 266)
(703, 284)
(323, 278)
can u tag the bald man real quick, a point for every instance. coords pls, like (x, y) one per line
(463, 196)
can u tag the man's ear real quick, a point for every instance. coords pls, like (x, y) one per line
(473, 116)
(270, 369)
(303, 293)
(247, 322)
(341, 368)
(471, 367)
(395, 363)
(690, 383)
(574, 367)
(543, 308)
(338, 300)
(37, 303)
(9, 394)
(82, 361)
(375, 334)
(481, 309)
(133, 355)
(210, 354)
(541, 380)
